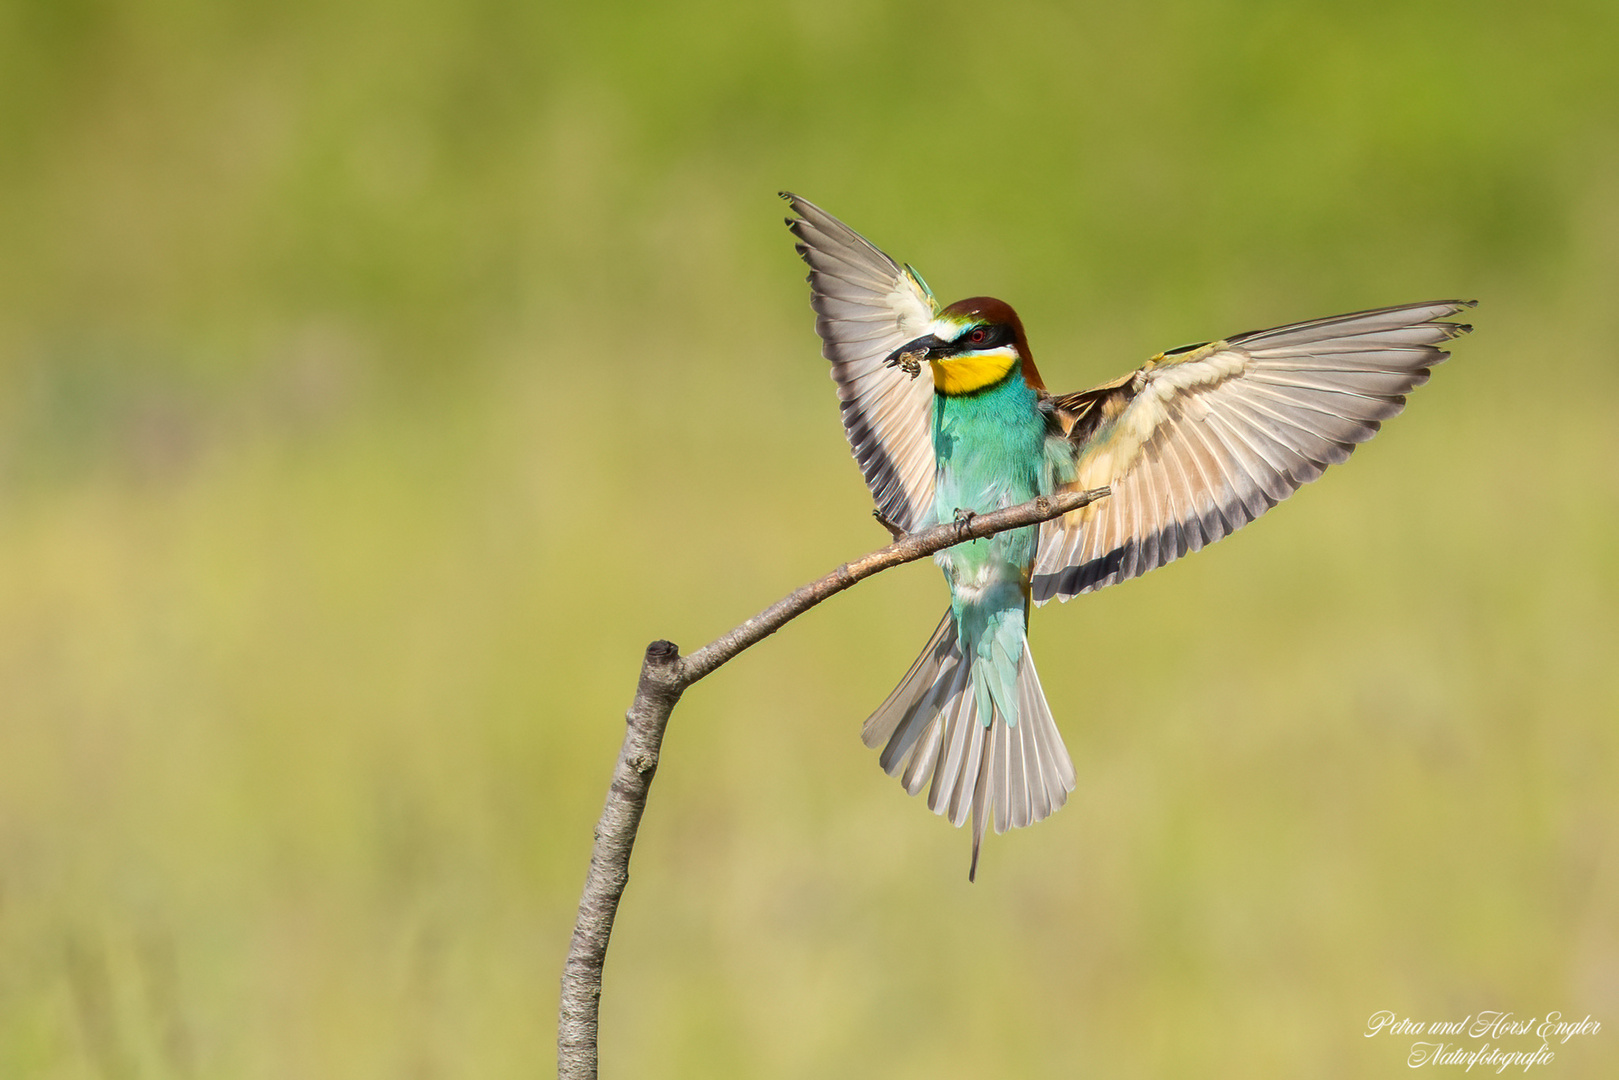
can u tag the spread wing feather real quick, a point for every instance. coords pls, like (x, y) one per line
(1201, 441)
(866, 306)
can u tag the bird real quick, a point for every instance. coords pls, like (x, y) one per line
(1191, 446)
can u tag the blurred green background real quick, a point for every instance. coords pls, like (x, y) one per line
(377, 379)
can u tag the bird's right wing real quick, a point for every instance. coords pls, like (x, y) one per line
(866, 306)
(1204, 439)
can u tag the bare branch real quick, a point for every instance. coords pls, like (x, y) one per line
(913, 547)
(665, 675)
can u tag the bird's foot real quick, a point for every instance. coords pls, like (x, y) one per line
(963, 519)
(893, 530)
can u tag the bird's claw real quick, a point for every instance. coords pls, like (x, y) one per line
(963, 519)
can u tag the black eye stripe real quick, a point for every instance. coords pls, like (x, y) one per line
(987, 336)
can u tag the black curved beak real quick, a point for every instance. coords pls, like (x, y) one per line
(911, 355)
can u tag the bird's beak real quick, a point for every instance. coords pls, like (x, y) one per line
(910, 356)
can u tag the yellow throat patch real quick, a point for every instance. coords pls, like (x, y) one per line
(966, 374)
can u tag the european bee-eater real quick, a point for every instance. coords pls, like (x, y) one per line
(1193, 445)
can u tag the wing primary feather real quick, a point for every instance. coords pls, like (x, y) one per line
(1294, 453)
(1262, 450)
(1243, 465)
(866, 307)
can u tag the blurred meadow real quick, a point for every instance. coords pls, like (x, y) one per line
(376, 380)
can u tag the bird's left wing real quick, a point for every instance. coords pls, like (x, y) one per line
(866, 306)
(1204, 439)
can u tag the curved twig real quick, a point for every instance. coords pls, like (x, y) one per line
(665, 675)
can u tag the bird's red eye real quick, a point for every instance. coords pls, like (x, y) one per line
(977, 336)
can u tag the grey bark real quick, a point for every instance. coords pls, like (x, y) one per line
(665, 675)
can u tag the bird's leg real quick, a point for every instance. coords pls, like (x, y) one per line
(963, 518)
(893, 530)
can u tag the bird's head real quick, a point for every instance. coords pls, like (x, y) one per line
(971, 345)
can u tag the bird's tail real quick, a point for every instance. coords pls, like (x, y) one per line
(931, 733)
